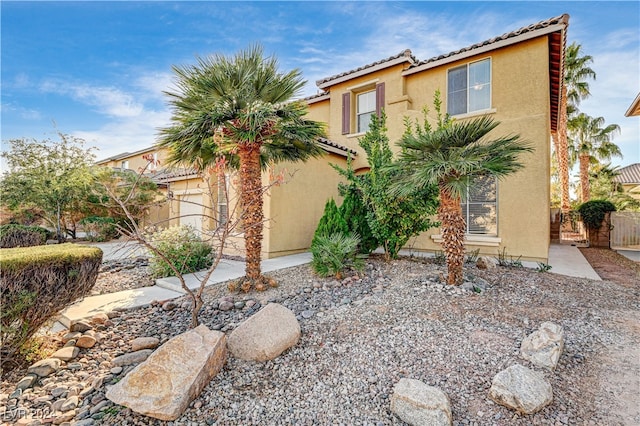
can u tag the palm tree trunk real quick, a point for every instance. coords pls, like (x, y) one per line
(562, 154)
(252, 214)
(453, 227)
(584, 177)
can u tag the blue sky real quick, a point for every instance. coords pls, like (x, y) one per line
(98, 69)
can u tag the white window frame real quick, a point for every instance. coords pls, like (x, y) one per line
(124, 165)
(466, 203)
(468, 88)
(368, 113)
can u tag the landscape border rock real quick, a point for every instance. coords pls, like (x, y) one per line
(265, 335)
(420, 404)
(164, 385)
(544, 346)
(521, 389)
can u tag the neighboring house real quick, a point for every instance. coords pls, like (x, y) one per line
(515, 78)
(629, 178)
(634, 108)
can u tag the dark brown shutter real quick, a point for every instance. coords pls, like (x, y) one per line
(346, 113)
(379, 98)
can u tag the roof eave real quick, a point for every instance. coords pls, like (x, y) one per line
(634, 109)
(325, 84)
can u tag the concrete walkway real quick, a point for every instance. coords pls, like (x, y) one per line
(564, 260)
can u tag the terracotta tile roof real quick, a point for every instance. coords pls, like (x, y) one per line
(167, 175)
(562, 20)
(324, 143)
(404, 56)
(629, 174)
(317, 97)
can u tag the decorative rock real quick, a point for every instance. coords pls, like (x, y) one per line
(144, 343)
(521, 389)
(544, 346)
(486, 262)
(131, 358)
(71, 343)
(165, 384)
(80, 326)
(116, 370)
(72, 335)
(169, 305)
(66, 354)
(45, 367)
(266, 334)
(70, 404)
(27, 381)
(419, 404)
(225, 305)
(100, 318)
(86, 342)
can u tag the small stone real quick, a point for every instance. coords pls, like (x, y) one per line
(80, 326)
(65, 417)
(225, 305)
(239, 304)
(100, 318)
(169, 305)
(86, 342)
(72, 335)
(74, 366)
(27, 381)
(70, 343)
(59, 391)
(307, 314)
(131, 358)
(45, 367)
(116, 370)
(144, 343)
(66, 354)
(70, 404)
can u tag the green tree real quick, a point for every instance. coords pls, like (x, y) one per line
(602, 186)
(574, 89)
(591, 142)
(450, 156)
(240, 108)
(52, 177)
(392, 218)
(354, 212)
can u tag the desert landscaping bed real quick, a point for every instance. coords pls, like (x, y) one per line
(361, 335)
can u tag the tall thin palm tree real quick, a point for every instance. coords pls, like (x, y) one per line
(575, 88)
(450, 157)
(241, 108)
(591, 143)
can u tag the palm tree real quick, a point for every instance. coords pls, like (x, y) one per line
(575, 88)
(590, 144)
(240, 108)
(450, 157)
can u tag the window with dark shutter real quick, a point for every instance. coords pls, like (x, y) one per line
(346, 113)
(379, 98)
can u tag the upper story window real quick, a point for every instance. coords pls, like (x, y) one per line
(366, 107)
(480, 206)
(469, 87)
(124, 164)
(367, 103)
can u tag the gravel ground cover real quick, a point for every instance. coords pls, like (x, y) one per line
(362, 334)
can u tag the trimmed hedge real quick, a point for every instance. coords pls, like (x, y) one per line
(22, 236)
(36, 283)
(593, 212)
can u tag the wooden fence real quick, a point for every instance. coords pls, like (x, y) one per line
(625, 232)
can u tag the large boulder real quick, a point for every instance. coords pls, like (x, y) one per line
(521, 389)
(544, 346)
(164, 385)
(419, 404)
(265, 335)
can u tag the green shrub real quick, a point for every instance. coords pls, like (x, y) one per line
(183, 248)
(22, 236)
(331, 222)
(99, 228)
(335, 253)
(39, 282)
(593, 212)
(354, 213)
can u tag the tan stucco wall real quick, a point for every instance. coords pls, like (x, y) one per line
(632, 189)
(137, 162)
(294, 208)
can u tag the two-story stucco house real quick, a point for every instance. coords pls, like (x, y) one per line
(515, 78)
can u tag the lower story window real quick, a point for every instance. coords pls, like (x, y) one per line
(480, 206)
